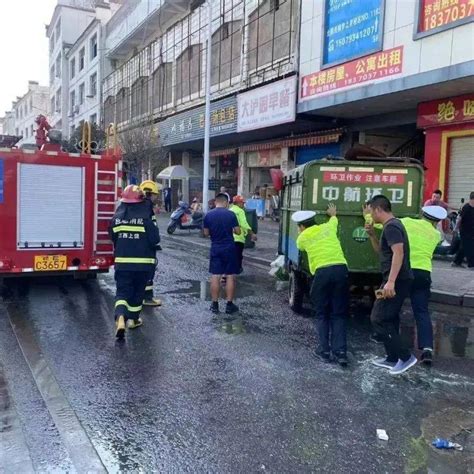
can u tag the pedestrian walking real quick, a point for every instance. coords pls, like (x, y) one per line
(394, 251)
(167, 198)
(135, 238)
(238, 209)
(221, 224)
(465, 226)
(150, 189)
(423, 238)
(330, 288)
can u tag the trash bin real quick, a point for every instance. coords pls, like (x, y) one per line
(252, 219)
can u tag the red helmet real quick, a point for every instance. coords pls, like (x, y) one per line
(132, 194)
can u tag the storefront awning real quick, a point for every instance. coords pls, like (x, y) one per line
(225, 151)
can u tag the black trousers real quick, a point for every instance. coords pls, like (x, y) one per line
(130, 293)
(149, 286)
(168, 205)
(239, 248)
(330, 299)
(466, 249)
(385, 320)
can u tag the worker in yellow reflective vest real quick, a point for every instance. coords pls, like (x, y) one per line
(330, 288)
(135, 238)
(237, 207)
(423, 238)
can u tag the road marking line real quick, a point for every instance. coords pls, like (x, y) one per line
(76, 441)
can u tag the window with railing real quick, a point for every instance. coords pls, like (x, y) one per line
(226, 52)
(189, 72)
(162, 86)
(93, 47)
(139, 97)
(82, 59)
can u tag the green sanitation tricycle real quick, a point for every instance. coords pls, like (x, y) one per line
(349, 185)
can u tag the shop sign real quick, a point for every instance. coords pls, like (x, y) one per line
(352, 29)
(267, 106)
(368, 69)
(188, 126)
(264, 158)
(440, 14)
(446, 111)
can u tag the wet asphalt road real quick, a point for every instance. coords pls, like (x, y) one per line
(193, 392)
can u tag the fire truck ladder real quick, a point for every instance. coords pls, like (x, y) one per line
(104, 207)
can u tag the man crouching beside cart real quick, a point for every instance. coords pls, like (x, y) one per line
(330, 288)
(135, 238)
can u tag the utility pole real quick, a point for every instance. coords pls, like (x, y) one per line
(207, 115)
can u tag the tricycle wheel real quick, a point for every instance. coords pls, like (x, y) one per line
(171, 228)
(296, 291)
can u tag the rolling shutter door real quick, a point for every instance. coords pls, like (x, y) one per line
(51, 206)
(461, 170)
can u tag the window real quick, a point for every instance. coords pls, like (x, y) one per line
(139, 97)
(51, 74)
(81, 93)
(58, 101)
(226, 53)
(31, 104)
(58, 29)
(93, 85)
(32, 130)
(188, 72)
(53, 105)
(93, 44)
(72, 67)
(93, 118)
(82, 59)
(162, 86)
(26, 133)
(73, 100)
(58, 65)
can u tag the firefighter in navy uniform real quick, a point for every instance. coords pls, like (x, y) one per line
(135, 238)
(150, 188)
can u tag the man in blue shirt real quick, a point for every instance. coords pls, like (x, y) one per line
(221, 225)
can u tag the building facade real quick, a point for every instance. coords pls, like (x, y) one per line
(20, 120)
(399, 74)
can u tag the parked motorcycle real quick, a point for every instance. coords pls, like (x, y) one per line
(184, 219)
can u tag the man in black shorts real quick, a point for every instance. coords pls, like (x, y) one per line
(394, 252)
(221, 225)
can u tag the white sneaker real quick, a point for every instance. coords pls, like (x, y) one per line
(384, 363)
(404, 366)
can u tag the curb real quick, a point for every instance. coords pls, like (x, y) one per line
(437, 296)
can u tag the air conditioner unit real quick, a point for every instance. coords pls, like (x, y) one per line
(76, 109)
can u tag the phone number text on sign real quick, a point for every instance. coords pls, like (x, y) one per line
(373, 67)
(437, 13)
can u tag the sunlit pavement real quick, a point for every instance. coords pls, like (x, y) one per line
(194, 392)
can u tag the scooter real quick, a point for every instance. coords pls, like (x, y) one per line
(184, 219)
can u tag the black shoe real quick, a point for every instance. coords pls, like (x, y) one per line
(427, 357)
(231, 308)
(214, 307)
(341, 359)
(323, 356)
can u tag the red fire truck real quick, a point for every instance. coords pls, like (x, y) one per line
(54, 210)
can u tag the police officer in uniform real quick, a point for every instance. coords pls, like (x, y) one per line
(150, 188)
(330, 288)
(135, 238)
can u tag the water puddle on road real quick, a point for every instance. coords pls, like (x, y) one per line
(235, 326)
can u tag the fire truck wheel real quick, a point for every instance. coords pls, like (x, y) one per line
(296, 291)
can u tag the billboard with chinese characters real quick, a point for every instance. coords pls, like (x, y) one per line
(368, 69)
(267, 106)
(437, 15)
(446, 111)
(188, 126)
(352, 29)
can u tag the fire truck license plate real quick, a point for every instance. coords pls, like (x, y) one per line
(50, 263)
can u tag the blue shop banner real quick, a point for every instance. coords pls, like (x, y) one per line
(352, 29)
(189, 125)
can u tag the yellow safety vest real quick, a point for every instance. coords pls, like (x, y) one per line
(322, 245)
(243, 224)
(423, 239)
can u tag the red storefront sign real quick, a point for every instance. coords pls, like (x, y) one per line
(437, 13)
(370, 68)
(363, 178)
(446, 111)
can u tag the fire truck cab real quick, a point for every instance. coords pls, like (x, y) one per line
(54, 211)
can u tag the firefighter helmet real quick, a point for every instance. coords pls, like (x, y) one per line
(149, 186)
(132, 194)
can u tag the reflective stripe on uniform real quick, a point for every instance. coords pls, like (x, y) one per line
(149, 288)
(129, 228)
(134, 260)
(132, 309)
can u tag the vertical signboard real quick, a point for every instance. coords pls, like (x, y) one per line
(352, 29)
(438, 15)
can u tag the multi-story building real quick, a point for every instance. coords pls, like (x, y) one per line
(75, 38)
(399, 75)
(157, 52)
(20, 120)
